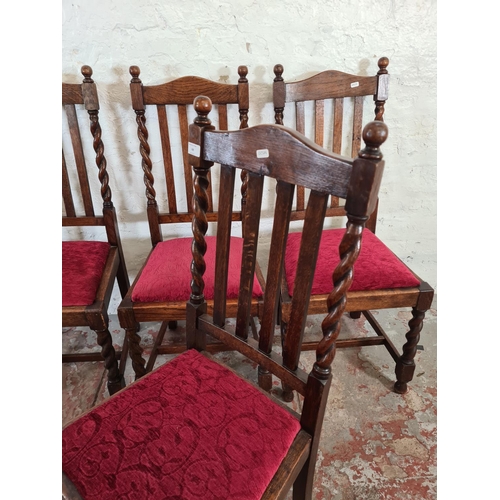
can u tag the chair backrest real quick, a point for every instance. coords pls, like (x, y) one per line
(77, 190)
(176, 97)
(292, 160)
(336, 104)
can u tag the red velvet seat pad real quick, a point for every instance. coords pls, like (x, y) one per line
(83, 263)
(377, 267)
(167, 274)
(191, 429)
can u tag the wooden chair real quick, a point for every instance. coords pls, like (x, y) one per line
(382, 280)
(161, 288)
(193, 428)
(90, 268)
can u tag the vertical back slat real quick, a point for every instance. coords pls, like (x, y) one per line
(357, 124)
(167, 158)
(188, 176)
(308, 254)
(76, 141)
(222, 116)
(226, 191)
(319, 120)
(66, 191)
(283, 207)
(252, 219)
(300, 126)
(338, 117)
(222, 112)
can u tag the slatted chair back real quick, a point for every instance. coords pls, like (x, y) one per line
(97, 209)
(90, 268)
(291, 160)
(178, 96)
(341, 98)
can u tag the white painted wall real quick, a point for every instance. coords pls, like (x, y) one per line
(212, 38)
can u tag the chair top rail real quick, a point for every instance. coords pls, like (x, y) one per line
(72, 93)
(329, 85)
(320, 169)
(183, 90)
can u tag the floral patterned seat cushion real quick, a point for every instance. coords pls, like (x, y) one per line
(191, 429)
(83, 263)
(377, 267)
(166, 276)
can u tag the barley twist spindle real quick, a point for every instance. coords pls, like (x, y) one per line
(342, 279)
(108, 353)
(243, 71)
(146, 163)
(202, 106)
(405, 365)
(374, 135)
(413, 335)
(95, 129)
(278, 111)
(143, 134)
(100, 159)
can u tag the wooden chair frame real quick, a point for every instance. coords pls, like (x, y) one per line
(337, 86)
(292, 160)
(94, 316)
(180, 93)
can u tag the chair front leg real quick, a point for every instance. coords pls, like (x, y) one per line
(405, 365)
(287, 394)
(135, 352)
(115, 378)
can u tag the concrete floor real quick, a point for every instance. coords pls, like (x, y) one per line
(375, 444)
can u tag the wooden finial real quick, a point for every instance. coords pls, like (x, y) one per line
(243, 72)
(383, 62)
(278, 71)
(202, 105)
(374, 135)
(87, 73)
(135, 72)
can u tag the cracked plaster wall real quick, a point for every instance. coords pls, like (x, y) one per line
(212, 38)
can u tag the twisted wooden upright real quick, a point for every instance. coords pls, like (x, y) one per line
(285, 155)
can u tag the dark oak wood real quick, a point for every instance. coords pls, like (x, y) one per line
(176, 97)
(234, 150)
(292, 160)
(344, 91)
(94, 316)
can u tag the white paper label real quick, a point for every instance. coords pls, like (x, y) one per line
(262, 153)
(194, 149)
(354, 84)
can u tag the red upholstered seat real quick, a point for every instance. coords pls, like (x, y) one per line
(192, 429)
(82, 267)
(167, 274)
(377, 267)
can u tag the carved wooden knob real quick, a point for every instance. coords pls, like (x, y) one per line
(278, 71)
(383, 62)
(375, 134)
(134, 71)
(243, 72)
(202, 105)
(86, 71)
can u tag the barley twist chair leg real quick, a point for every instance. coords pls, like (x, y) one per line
(405, 365)
(115, 378)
